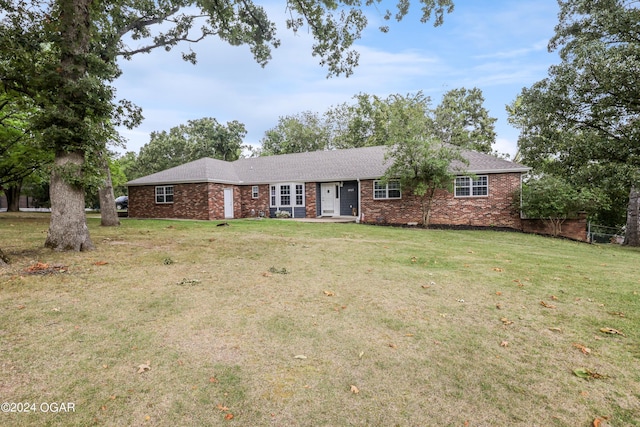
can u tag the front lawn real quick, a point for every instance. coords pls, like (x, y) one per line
(282, 323)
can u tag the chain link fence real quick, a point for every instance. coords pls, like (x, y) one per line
(601, 234)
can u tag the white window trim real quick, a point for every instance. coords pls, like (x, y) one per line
(292, 195)
(164, 194)
(386, 190)
(255, 192)
(472, 184)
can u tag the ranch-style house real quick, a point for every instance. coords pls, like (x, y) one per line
(337, 183)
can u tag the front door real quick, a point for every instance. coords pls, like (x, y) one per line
(228, 202)
(330, 200)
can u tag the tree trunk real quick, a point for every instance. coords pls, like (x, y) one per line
(108, 212)
(68, 229)
(632, 234)
(426, 202)
(13, 197)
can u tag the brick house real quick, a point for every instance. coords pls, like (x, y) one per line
(326, 184)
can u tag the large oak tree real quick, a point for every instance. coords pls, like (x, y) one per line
(83, 38)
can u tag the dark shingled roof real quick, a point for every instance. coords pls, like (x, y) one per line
(315, 166)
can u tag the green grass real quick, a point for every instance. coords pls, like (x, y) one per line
(274, 321)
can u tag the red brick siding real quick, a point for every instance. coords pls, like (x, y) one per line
(310, 199)
(190, 201)
(248, 202)
(493, 210)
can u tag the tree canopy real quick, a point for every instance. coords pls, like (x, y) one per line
(582, 121)
(460, 120)
(188, 142)
(296, 134)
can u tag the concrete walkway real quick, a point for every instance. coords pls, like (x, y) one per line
(344, 219)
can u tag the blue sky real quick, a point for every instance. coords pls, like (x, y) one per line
(499, 46)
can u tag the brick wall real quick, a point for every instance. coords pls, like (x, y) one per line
(189, 202)
(493, 210)
(575, 228)
(310, 199)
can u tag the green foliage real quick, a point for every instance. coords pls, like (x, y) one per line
(185, 143)
(462, 120)
(296, 134)
(582, 121)
(459, 120)
(553, 200)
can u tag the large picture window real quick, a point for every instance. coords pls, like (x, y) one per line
(287, 195)
(390, 190)
(466, 186)
(164, 194)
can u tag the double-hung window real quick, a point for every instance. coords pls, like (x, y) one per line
(389, 190)
(466, 186)
(164, 194)
(254, 192)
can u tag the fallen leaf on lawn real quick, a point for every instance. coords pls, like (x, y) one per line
(329, 293)
(587, 374)
(555, 329)
(144, 367)
(506, 321)
(213, 380)
(147, 418)
(101, 263)
(616, 313)
(581, 373)
(504, 344)
(360, 355)
(612, 331)
(21, 307)
(426, 286)
(597, 422)
(392, 345)
(267, 274)
(499, 306)
(498, 269)
(229, 416)
(544, 304)
(414, 259)
(498, 293)
(354, 389)
(300, 356)
(583, 349)
(554, 298)
(222, 408)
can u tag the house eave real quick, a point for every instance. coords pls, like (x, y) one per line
(495, 171)
(184, 181)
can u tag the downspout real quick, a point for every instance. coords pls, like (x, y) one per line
(359, 202)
